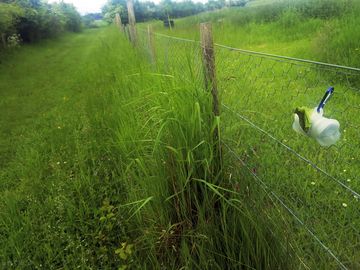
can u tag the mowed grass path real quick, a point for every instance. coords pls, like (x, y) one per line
(37, 80)
(53, 145)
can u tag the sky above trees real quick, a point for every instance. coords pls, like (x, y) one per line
(94, 6)
(85, 6)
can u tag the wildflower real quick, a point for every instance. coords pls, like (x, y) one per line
(344, 204)
(349, 180)
(59, 127)
(65, 162)
(58, 163)
(313, 183)
(344, 170)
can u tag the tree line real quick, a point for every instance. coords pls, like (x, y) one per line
(147, 10)
(31, 20)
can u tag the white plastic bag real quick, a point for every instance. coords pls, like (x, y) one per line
(326, 131)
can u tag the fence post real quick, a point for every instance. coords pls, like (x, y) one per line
(118, 22)
(208, 57)
(168, 18)
(132, 22)
(151, 44)
(207, 47)
(127, 33)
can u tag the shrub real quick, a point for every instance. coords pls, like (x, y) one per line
(14, 41)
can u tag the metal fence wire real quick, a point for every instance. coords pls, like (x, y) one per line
(313, 190)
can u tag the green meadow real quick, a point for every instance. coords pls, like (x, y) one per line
(102, 166)
(316, 187)
(108, 160)
(319, 30)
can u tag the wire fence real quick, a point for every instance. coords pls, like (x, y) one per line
(313, 191)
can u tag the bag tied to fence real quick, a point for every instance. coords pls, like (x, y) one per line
(312, 123)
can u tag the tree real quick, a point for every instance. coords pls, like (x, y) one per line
(70, 16)
(215, 4)
(36, 19)
(112, 7)
(89, 19)
(9, 15)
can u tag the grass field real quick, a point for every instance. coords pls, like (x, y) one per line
(265, 91)
(310, 29)
(107, 164)
(109, 161)
(52, 168)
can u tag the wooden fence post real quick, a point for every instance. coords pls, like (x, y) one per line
(118, 22)
(132, 22)
(127, 33)
(208, 57)
(151, 44)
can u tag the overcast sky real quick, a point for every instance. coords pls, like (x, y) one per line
(94, 6)
(86, 6)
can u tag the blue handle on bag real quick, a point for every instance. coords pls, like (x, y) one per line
(325, 99)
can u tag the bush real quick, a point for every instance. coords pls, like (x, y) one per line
(14, 41)
(34, 19)
(9, 15)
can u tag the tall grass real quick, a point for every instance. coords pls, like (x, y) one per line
(320, 30)
(117, 168)
(266, 91)
(338, 41)
(185, 209)
(108, 162)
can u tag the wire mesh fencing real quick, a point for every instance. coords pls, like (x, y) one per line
(173, 56)
(317, 186)
(312, 192)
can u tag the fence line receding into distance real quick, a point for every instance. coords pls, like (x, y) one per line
(318, 187)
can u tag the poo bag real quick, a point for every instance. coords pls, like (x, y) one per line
(312, 123)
